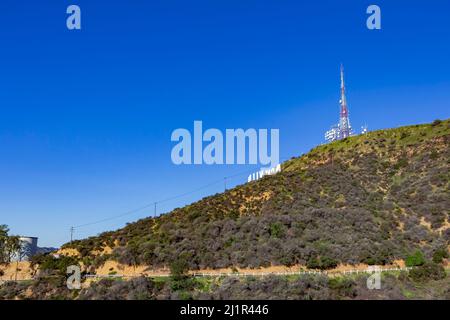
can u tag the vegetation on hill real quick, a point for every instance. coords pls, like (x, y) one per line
(428, 283)
(371, 199)
(9, 245)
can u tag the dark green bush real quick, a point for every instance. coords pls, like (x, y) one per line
(436, 122)
(439, 255)
(415, 259)
(322, 263)
(276, 230)
(53, 265)
(428, 271)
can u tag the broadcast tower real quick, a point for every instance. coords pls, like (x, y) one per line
(345, 130)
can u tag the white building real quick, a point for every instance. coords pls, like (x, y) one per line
(28, 248)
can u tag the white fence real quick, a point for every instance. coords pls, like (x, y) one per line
(256, 274)
(241, 274)
(294, 273)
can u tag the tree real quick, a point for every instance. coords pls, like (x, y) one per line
(9, 245)
(179, 268)
(180, 279)
(52, 265)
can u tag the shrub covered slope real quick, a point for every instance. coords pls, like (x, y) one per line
(368, 199)
(308, 287)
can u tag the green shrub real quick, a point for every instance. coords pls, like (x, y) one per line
(51, 264)
(434, 155)
(179, 277)
(439, 255)
(321, 263)
(276, 230)
(313, 263)
(344, 287)
(328, 263)
(428, 271)
(436, 122)
(415, 259)
(179, 268)
(402, 162)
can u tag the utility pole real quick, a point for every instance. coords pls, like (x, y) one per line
(71, 233)
(225, 183)
(154, 214)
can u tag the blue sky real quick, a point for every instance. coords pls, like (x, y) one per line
(86, 116)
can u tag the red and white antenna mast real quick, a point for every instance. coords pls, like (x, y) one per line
(344, 122)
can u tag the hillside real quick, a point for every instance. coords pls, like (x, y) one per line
(395, 286)
(367, 199)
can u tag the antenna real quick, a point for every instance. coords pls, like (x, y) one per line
(343, 129)
(344, 121)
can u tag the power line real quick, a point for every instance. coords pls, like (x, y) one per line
(190, 192)
(155, 203)
(117, 216)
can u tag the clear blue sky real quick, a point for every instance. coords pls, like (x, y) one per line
(86, 116)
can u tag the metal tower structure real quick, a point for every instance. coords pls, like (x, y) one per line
(345, 129)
